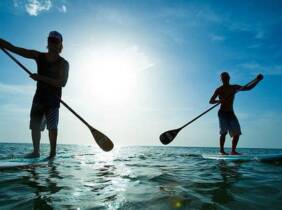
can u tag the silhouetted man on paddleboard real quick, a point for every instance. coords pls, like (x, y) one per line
(228, 121)
(51, 77)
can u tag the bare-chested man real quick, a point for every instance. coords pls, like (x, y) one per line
(228, 121)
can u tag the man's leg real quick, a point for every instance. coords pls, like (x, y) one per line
(223, 126)
(222, 141)
(236, 132)
(36, 135)
(37, 125)
(234, 144)
(52, 117)
(53, 133)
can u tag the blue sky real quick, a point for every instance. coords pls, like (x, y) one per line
(138, 68)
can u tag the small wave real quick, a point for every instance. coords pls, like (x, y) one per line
(163, 178)
(191, 155)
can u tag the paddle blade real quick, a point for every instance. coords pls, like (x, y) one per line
(168, 136)
(102, 140)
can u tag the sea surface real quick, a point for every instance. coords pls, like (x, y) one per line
(157, 178)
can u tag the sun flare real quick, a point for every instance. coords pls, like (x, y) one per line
(112, 74)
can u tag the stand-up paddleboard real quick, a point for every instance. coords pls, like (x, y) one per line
(244, 157)
(22, 163)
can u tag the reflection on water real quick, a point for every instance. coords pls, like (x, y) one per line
(230, 174)
(82, 177)
(41, 186)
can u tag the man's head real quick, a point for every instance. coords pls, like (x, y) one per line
(55, 42)
(225, 78)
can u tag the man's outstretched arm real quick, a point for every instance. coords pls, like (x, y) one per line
(32, 54)
(251, 86)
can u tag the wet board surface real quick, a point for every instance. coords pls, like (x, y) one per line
(246, 157)
(22, 163)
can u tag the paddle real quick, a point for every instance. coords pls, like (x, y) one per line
(168, 136)
(101, 139)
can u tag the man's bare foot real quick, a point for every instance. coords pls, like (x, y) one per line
(32, 155)
(223, 153)
(235, 153)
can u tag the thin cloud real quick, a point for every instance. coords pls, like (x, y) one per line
(254, 67)
(255, 46)
(195, 15)
(258, 31)
(275, 70)
(209, 15)
(8, 109)
(175, 13)
(260, 34)
(34, 7)
(16, 89)
(265, 118)
(200, 15)
(143, 62)
(251, 65)
(217, 38)
(192, 16)
(15, 100)
(113, 16)
(62, 9)
(16, 3)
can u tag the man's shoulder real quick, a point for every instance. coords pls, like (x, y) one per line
(220, 88)
(63, 60)
(235, 86)
(64, 63)
(40, 54)
(225, 88)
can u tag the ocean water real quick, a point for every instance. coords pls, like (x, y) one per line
(157, 178)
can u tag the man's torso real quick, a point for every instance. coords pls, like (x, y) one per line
(227, 94)
(46, 94)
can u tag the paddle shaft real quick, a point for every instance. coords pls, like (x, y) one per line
(215, 105)
(62, 102)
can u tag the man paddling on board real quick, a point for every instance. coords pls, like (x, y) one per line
(51, 77)
(228, 121)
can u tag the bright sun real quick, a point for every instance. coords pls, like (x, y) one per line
(111, 75)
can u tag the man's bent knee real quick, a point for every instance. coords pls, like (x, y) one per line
(53, 130)
(36, 130)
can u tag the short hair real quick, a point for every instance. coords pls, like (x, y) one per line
(225, 74)
(55, 35)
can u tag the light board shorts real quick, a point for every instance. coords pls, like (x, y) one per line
(228, 122)
(41, 115)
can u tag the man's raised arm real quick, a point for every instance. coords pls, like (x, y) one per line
(32, 54)
(252, 85)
